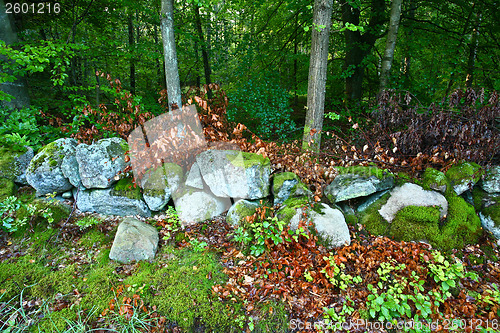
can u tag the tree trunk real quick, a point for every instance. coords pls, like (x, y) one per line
(471, 63)
(409, 39)
(317, 75)
(204, 51)
(359, 46)
(17, 89)
(170, 53)
(131, 45)
(390, 44)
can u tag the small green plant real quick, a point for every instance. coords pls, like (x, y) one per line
(171, 223)
(87, 222)
(259, 234)
(332, 116)
(337, 276)
(198, 246)
(8, 212)
(332, 319)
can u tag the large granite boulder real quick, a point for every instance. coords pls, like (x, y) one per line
(491, 180)
(412, 195)
(122, 199)
(464, 176)
(134, 241)
(328, 222)
(358, 182)
(194, 205)
(100, 163)
(288, 185)
(44, 171)
(235, 174)
(159, 184)
(241, 209)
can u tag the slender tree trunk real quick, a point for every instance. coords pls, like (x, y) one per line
(471, 63)
(204, 50)
(159, 72)
(322, 16)
(390, 44)
(19, 88)
(407, 59)
(359, 46)
(131, 45)
(170, 53)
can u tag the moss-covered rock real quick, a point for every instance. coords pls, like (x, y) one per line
(286, 185)
(491, 180)
(433, 179)
(488, 207)
(126, 187)
(45, 172)
(241, 209)
(463, 176)
(355, 182)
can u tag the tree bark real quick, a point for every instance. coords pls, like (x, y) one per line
(170, 54)
(471, 63)
(204, 51)
(322, 16)
(19, 88)
(359, 46)
(390, 44)
(131, 45)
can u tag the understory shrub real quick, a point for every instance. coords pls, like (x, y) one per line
(263, 106)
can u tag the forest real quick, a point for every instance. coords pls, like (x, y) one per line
(320, 88)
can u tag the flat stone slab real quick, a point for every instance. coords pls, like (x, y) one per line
(134, 241)
(349, 186)
(412, 195)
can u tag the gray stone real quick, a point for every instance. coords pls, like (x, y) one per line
(159, 184)
(350, 186)
(193, 178)
(100, 163)
(44, 172)
(239, 210)
(368, 201)
(67, 195)
(491, 181)
(22, 162)
(330, 225)
(412, 195)
(195, 206)
(235, 174)
(288, 185)
(109, 202)
(69, 168)
(489, 224)
(134, 241)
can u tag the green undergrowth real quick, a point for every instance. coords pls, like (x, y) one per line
(178, 284)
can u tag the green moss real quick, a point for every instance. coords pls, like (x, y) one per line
(59, 210)
(94, 238)
(289, 208)
(462, 226)
(17, 275)
(466, 170)
(248, 159)
(182, 288)
(56, 321)
(271, 317)
(487, 203)
(351, 219)
(7, 166)
(364, 171)
(45, 153)
(7, 187)
(493, 211)
(280, 178)
(433, 179)
(413, 223)
(125, 187)
(372, 220)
